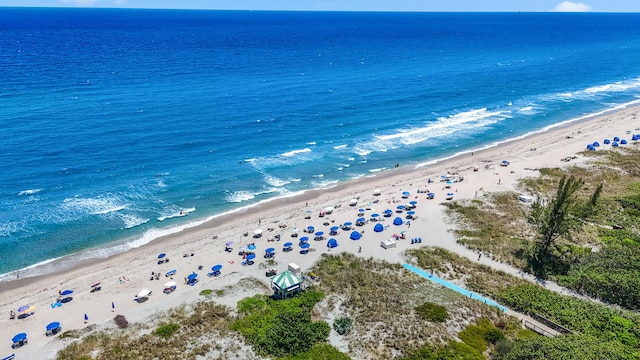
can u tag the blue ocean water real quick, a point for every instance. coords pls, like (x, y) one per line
(116, 124)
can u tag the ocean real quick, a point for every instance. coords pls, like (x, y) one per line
(119, 126)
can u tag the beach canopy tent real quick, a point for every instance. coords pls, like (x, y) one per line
(607, 141)
(623, 142)
(332, 243)
(614, 144)
(595, 144)
(615, 138)
(143, 293)
(353, 202)
(635, 137)
(355, 235)
(286, 284)
(591, 147)
(19, 340)
(378, 228)
(377, 192)
(397, 221)
(53, 328)
(328, 210)
(169, 287)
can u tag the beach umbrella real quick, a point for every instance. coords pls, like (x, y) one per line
(193, 276)
(355, 235)
(86, 318)
(288, 244)
(66, 292)
(397, 221)
(170, 284)
(361, 210)
(162, 255)
(305, 245)
(251, 247)
(413, 203)
(329, 209)
(113, 305)
(334, 230)
(26, 309)
(375, 215)
(320, 233)
(52, 326)
(304, 239)
(228, 243)
(295, 230)
(217, 267)
(388, 211)
(141, 294)
(400, 207)
(19, 337)
(257, 232)
(377, 192)
(348, 224)
(411, 212)
(431, 195)
(96, 284)
(270, 250)
(405, 194)
(332, 243)
(378, 227)
(251, 256)
(310, 229)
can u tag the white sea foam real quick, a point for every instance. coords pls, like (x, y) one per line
(376, 170)
(103, 204)
(29, 192)
(339, 147)
(174, 212)
(132, 220)
(239, 196)
(274, 181)
(311, 143)
(294, 152)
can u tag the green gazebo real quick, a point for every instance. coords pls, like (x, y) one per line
(286, 284)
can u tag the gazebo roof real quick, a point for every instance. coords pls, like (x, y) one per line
(286, 280)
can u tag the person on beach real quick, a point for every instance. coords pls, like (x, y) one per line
(12, 315)
(359, 249)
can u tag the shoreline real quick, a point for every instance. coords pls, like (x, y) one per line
(216, 220)
(204, 246)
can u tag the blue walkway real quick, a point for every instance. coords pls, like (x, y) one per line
(453, 287)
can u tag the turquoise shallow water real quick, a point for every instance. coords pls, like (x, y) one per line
(119, 126)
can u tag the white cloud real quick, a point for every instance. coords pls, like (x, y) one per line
(568, 6)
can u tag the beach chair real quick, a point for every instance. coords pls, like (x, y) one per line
(10, 357)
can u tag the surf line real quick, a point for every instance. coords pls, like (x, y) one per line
(454, 287)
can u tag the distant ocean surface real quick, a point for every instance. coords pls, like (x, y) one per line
(119, 126)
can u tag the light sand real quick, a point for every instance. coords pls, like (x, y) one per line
(206, 242)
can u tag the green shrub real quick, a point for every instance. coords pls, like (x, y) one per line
(320, 351)
(166, 330)
(121, 321)
(477, 336)
(432, 312)
(342, 325)
(206, 292)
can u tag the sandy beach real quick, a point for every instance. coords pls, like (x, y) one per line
(197, 249)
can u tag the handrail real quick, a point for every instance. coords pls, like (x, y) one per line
(536, 328)
(555, 326)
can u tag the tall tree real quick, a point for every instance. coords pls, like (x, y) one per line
(555, 218)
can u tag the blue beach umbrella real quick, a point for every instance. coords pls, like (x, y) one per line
(193, 276)
(217, 267)
(310, 229)
(319, 233)
(19, 337)
(375, 215)
(388, 211)
(378, 228)
(53, 325)
(355, 235)
(411, 212)
(86, 318)
(251, 256)
(66, 292)
(305, 246)
(270, 250)
(400, 208)
(228, 243)
(347, 224)
(162, 255)
(332, 243)
(397, 221)
(113, 306)
(251, 247)
(304, 239)
(288, 244)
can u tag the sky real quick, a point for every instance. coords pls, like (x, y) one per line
(350, 5)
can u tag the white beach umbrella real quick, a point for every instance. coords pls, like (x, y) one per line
(170, 284)
(376, 192)
(143, 293)
(329, 209)
(258, 232)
